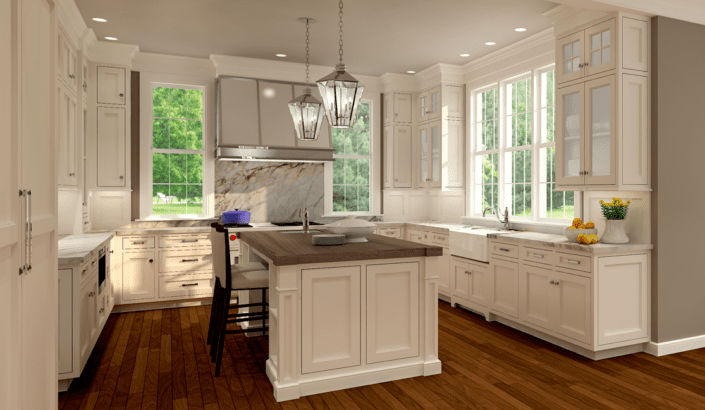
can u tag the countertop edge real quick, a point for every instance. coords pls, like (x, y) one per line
(562, 243)
(87, 255)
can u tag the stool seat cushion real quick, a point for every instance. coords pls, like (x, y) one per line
(251, 279)
(246, 267)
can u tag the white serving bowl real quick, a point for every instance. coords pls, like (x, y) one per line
(355, 230)
(572, 234)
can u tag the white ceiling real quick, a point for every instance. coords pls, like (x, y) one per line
(380, 35)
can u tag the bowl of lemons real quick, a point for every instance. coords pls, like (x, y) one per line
(580, 232)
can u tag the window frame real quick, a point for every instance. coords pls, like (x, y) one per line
(328, 172)
(502, 148)
(205, 197)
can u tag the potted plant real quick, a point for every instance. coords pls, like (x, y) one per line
(614, 212)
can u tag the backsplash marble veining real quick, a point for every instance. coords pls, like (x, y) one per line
(270, 191)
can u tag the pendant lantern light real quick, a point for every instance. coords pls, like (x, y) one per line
(340, 91)
(306, 110)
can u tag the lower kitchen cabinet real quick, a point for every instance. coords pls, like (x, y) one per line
(469, 282)
(88, 315)
(138, 276)
(199, 285)
(444, 272)
(504, 277)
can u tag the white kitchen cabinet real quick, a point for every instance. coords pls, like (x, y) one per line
(112, 148)
(87, 316)
(453, 153)
(397, 108)
(429, 155)
(504, 277)
(111, 85)
(239, 123)
(402, 156)
(138, 276)
(586, 52)
(387, 108)
(65, 292)
(535, 301)
(68, 147)
(571, 300)
(444, 272)
(85, 76)
(635, 48)
(277, 128)
(66, 60)
(469, 282)
(429, 104)
(332, 335)
(460, 283)
(388, 148)
(453, 102)
(392, 311)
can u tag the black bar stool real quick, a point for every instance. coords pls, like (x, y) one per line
(229, 278)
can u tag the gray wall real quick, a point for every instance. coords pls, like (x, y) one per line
(678, 175)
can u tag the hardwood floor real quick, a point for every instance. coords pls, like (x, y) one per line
(158, 360)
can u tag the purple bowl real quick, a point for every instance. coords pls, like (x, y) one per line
(236, 217)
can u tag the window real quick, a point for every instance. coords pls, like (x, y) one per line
(177, 150)
(514, 149)
(352, 165)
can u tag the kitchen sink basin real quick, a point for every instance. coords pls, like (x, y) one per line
(472, 242)
(310, 231)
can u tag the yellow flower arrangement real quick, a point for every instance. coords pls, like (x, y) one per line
(617, 209)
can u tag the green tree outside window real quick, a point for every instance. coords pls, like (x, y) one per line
(351, 167)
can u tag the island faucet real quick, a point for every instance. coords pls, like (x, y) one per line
(304, 218)
(496, 212)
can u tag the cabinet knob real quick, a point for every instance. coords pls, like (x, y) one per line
(121, 177)
(586, 64)
(556, 283)
(151, 260)
(122, 95)
(90, 295)
(112, 251)
(101, 310)
(468, 272)
(552, 282)
(85, 223)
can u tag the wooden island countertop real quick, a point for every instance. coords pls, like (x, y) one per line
(296, 248)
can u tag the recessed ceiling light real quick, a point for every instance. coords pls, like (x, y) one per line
(411, 72)
(111, 38)
(490, 43)
(465, 55)
(281, 55)
(99, 19)
(520, 29)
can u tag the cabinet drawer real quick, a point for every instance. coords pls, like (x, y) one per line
(415, 235)
(88, 269)
(183, 261)
(439, 239)
(502, 249)
(138, 242)
(184, 241)
(537, 256)
(391, 232)
(185, 286)
(576, 262)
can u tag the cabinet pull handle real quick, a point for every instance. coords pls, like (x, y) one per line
(92, 263)
(85, 223)
(573, 262)
(29, 230)
(557, 283)
(83, 272)
(468, 272)
(537, 255)
(552, 282)
(586, 64)
(101, 310)
(504, 249)
(122, 95)
(138, 243)
(189, 284)
(91, 294)
(189, 240)
(189, 260)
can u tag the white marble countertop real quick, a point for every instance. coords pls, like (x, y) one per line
(162, 231)
(438, 227)
(76, 249)
(558, 241)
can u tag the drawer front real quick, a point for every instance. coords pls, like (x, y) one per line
(171, 262)
(577, 262)
(145, 242)
(439, 239)
(185, 286)
(502, 249)
(88, 269)
(415, 235)
(537, 256)
(391, 232)
(184, 241)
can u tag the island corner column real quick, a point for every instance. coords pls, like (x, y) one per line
(285, 288)
(432, 365)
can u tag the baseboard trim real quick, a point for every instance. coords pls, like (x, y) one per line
(675, 346)
(167, 304)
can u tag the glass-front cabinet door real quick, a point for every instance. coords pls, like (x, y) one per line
(429, 143)
(423, 177)
(435, 151)
(423, 106)
(601, 56)
(570, 155)
(569, 57)
(434, 102)
(600, 131)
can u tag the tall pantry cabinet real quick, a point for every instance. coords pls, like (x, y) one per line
(602, 105)
(28, 205)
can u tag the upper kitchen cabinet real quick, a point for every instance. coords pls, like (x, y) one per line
(238, 112)
(277, 129)
(442, 101)
(429, 155)
(397, 108)
(85, 77)
(428, 104)
(66, 60)
(112, 147)
(602, 118)
(397, 156)
(111, 85)
(68, 135)
(439, 152)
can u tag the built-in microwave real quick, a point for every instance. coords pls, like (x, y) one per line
(102, 269)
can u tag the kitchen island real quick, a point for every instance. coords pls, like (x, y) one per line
(349, 315)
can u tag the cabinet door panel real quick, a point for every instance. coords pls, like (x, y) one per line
(111, 85)
(388, 141)
(423, 156)
(444, 272)
(138, 276)
(623, 298)
(387, 110)
(435, 155)
(402, 108)
(570, 153)
(635, 129)
(63, 134)
(573, 307)
(423, 106)
(402, 156)
(460, 282)
(600, 131)
(276, 124)
(635, 43)
(453, 148)
(87, 314)
(535, 286)
(392, 311)
(238, 114)
(505, 287)
(569, 57)
(111, 147)
(434, 101)
(601, 46)
(72, 146)
(324, 134)
(330, 318)
(478, 281)
(65, 320)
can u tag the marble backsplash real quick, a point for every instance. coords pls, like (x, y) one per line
(270, 191)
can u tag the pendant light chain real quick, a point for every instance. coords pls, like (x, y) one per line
(307, 49)
(340, 42)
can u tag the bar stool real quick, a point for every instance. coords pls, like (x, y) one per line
(229, 278)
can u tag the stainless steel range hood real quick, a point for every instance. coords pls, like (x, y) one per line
(254, 123)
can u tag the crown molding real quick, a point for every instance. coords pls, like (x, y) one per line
(170, 64)
(89, 40)
(508, 52)
(664, 8)
(398, 82)
(280, 70)
(560, 12)
(114, 53)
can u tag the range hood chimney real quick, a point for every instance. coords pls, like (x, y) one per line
(254, 123)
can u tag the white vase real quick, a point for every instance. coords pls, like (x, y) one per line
(614, 232)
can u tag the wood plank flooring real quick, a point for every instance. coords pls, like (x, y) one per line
(159, 360)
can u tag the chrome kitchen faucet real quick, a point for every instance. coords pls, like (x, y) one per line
(496, 212)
